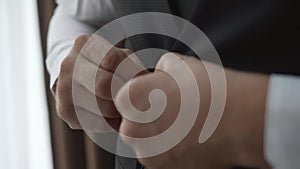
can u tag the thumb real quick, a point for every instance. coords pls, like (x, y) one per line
(140, 102)
(144, 98)
(169, 61)
(137, 93)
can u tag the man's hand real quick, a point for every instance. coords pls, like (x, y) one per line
(64, 101)
(238, 140)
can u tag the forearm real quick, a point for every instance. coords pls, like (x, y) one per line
(245, 114)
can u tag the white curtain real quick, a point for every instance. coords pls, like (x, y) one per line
(24, 126)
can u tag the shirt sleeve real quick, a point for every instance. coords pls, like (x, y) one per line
(71, 19)
(282, 130)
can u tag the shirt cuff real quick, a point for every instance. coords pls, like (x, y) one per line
(53, 63)
(282, 136)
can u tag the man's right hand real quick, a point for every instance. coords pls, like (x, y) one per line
(64, 99)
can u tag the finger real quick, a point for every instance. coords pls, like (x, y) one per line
(80, 42)
(85, 99)
(127, 51)
(170, 61)
(88, 120)
(105, 82)
(67, 113)
(140, 88)
(94, 79)
(64, 82)
(99, 50)
(139, 92)
(112, 59)
(64, 91)
(130, 67)
(108, 109)
(70, 116)
(93, 123)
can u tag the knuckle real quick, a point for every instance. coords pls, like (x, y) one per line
(66, 113)
(63, 88)
(127, 51)
(107, 108)
(102, 90)
(103, 83)
(164, 61)
(80, 41)
(74, 126)
(167, 56)
(109, 61)
(66, 66)
(112, 59)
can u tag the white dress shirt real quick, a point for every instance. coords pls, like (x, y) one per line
(71, 19)
(282, 129)
(282, 126)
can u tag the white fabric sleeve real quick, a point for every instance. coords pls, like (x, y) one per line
(71, 19)
(282, 129)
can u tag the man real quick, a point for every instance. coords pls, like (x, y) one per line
(259, 124)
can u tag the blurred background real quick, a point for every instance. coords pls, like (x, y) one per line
(31, 134)
(24, 122)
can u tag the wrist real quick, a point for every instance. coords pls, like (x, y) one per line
(244, 115)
